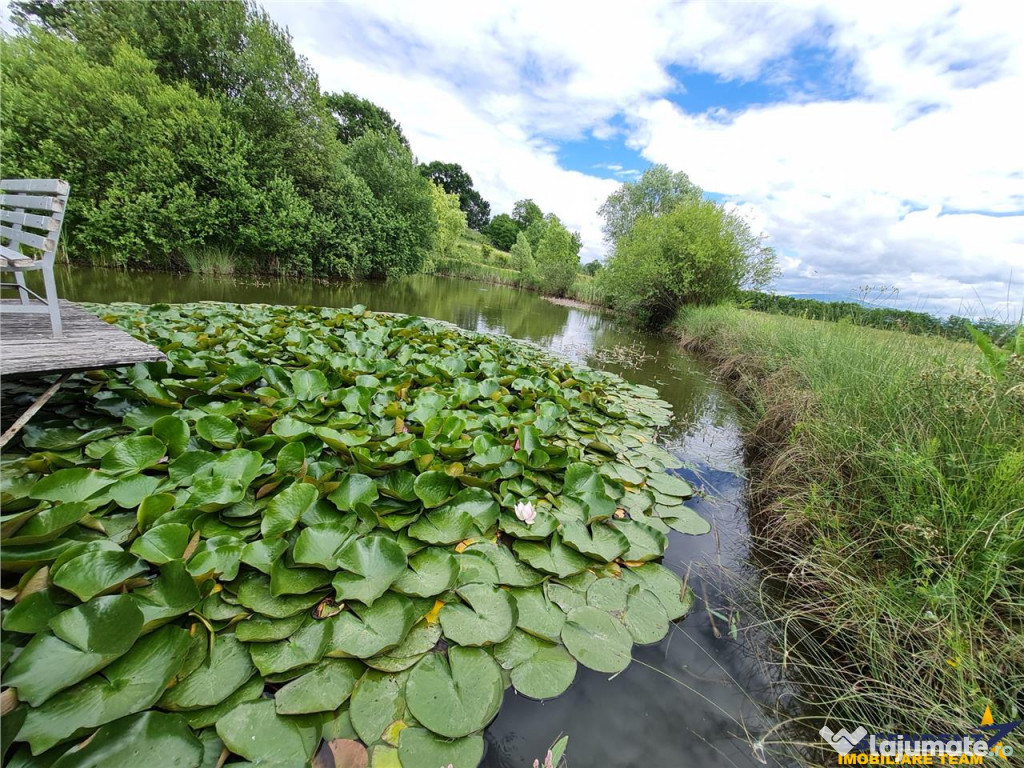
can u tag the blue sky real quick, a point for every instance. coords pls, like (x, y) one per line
(873, 143)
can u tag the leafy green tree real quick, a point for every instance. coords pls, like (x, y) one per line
(696, 253)
(522, 255)
(232, 51)
(404, 199)
(557, 258)
(535, 232)
(656, 192)
(456, 181)
(591, 268)
(356, 116)
(154, 167)
(526, 212)
(451, 221)
(502, 231)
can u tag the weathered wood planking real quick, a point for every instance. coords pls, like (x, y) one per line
(28, 347)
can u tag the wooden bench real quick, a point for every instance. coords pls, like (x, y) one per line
(31, 216)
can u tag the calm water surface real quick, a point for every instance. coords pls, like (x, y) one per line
(695, 699)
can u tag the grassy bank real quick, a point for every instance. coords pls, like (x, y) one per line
(473, 258)
(888, 478)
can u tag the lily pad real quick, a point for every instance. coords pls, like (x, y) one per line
(323, 689)
(370, 565)
(419, 748)
(487, 616)
(286, 508)
(645, 617)
(226, 668)
(377, 701)
(133, 454)
(597, 640)
(365, 631)
(457, 695)
(538, 615)
(546, 674)
(255, 731)
(554, 558)
(355, 491)
(148, 738)
(430, 573)
(434, 488)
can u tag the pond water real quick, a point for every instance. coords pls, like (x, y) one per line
(695, 699)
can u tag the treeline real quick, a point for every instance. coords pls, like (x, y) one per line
(919, 323)
(192, 133)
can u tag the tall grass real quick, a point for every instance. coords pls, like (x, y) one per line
(585, 288)
(470, 270)
(209, 260)
(889, 487)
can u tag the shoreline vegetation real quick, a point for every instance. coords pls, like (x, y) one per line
(887, 483)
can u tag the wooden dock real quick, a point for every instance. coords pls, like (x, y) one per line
(28, 348)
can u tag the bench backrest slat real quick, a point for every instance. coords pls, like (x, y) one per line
(34, 221)
(32, 204)
(38, 242)
(39, 186)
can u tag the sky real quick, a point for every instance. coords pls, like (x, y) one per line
(874, 143)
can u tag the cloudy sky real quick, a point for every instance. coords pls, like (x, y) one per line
(876, 143)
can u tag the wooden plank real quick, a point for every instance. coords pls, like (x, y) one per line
(27, 346)
(33, 202)
(15, 259)
(31, 411)
(44, 186)
(47, 223)
(27, 238)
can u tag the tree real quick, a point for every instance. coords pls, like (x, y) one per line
(656, 192)
(456, 181)
(557, 258)
(697, 253)
(526, 212)
(522, 255)
(405, 200)
(451, 221)
(231, 51)
(152, 166)
(591, 268)
(502, 231)
(355, 116)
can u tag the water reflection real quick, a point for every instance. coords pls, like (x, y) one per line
(696, 698)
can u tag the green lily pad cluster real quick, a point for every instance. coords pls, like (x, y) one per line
(302, 529)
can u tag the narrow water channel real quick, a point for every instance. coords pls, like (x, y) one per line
(695, 699)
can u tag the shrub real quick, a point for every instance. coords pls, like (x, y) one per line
(557, 257)
(697, 253)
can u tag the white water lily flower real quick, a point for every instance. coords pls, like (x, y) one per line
(526, 512)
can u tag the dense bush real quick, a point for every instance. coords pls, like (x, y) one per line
(557, 257)
(502, 231)
(521, 255)
(451, 221)
(693, 251)
(194, 127)
(151, 164)
(454, 180)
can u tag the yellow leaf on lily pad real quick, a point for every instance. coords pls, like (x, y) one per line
(392, 732)
(435, 612)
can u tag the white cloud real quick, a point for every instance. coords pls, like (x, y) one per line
(850, 191)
